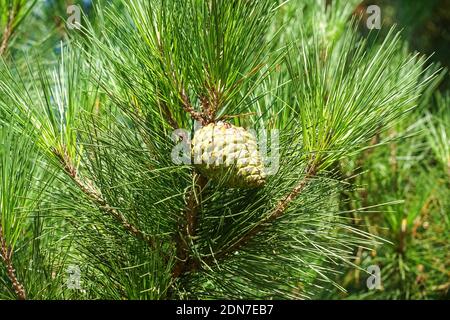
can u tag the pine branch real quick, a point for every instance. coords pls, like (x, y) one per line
(193, 265)
(168, 115)
(188, 227)
(87, 187)
(274, 215)
(8, 31)
(6, 255)
(198, 116)
(211, 104)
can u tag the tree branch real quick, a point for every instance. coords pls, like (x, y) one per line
(198, 116)
(188, 227)
(6, 255)
(8, 31)
(276, 213)
(87, 187)
(168, 115)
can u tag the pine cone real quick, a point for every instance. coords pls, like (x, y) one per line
(222, 150)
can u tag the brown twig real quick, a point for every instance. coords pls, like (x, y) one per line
(6, 255)
(8, 31)
(206, 107)
(87, 187)
(186, 104)
(163, 107)
(275, 214)
(188, 227)
(215, 97)
(168, 115)
(209, 106)
(190, 265)
(198, 116)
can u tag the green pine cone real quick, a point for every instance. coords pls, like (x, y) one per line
(222, 150)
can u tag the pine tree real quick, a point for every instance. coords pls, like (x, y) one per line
(92, 183)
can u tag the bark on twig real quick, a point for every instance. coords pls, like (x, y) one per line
(198, 116)
(274, 215)
(6, 255)
(187, 231)
(168, 115)
(87, 187)
(187, 264)
(8, 31)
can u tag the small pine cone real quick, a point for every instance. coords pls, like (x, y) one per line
(223, 150)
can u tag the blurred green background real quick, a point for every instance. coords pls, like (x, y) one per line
(425, 23)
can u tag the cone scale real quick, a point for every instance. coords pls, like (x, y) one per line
(224, 152)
